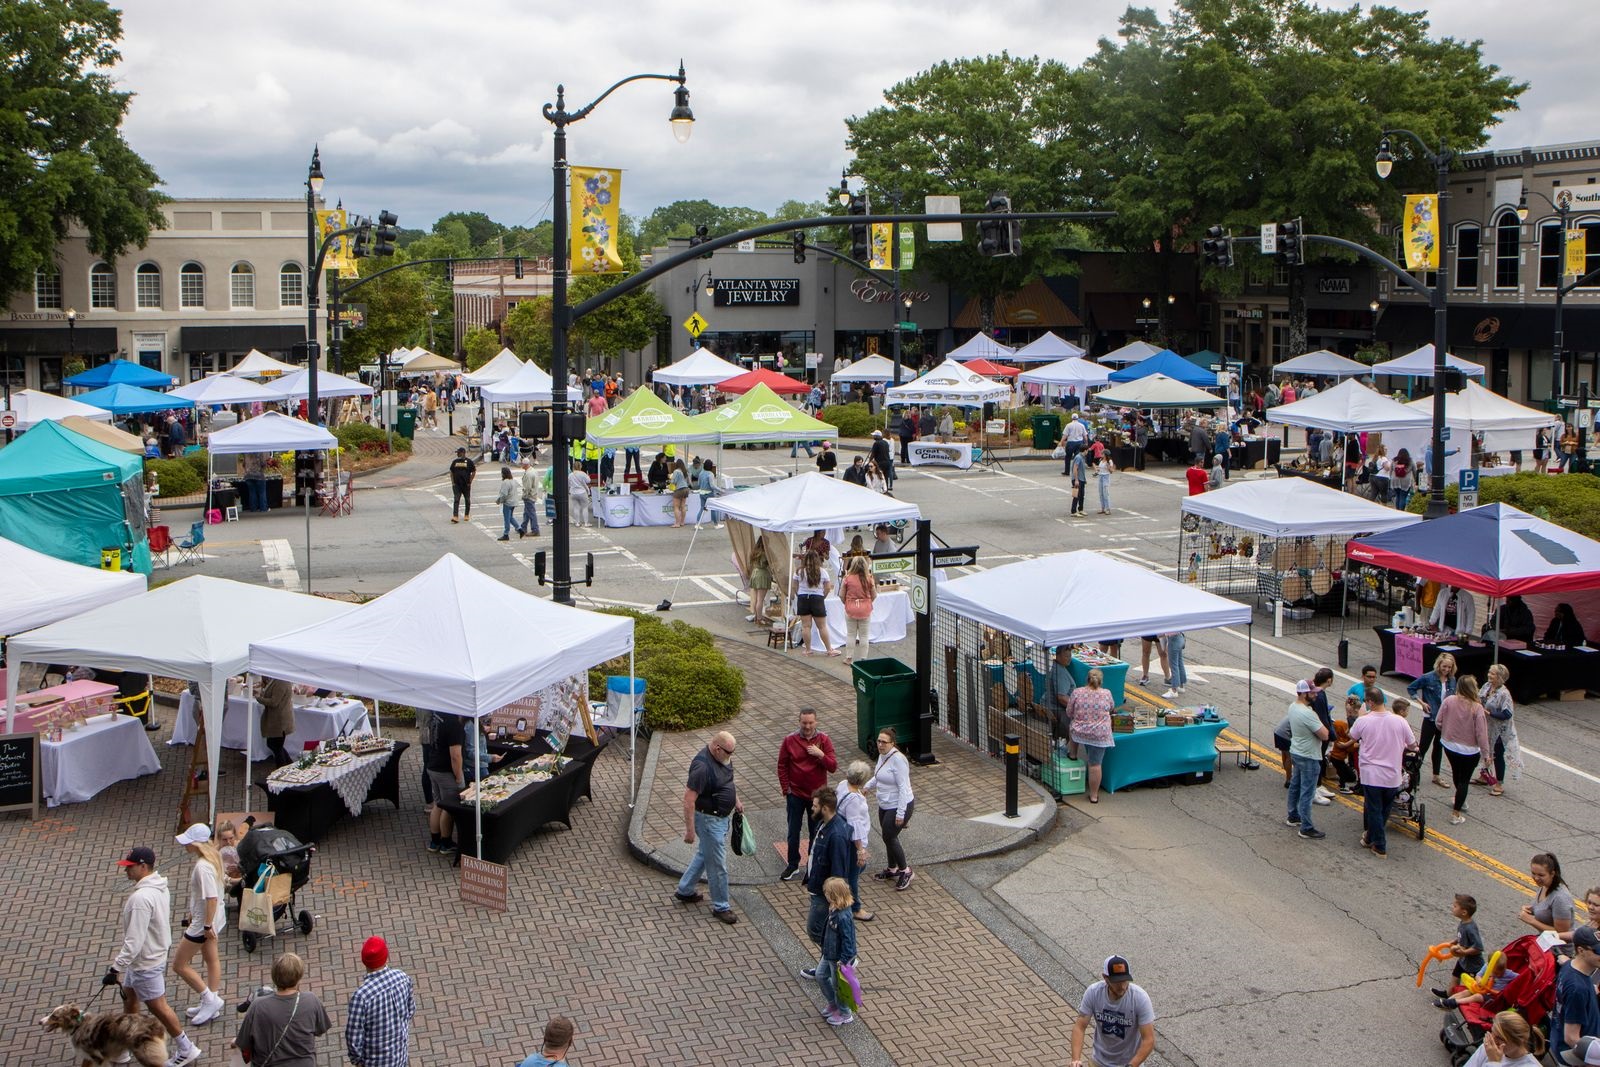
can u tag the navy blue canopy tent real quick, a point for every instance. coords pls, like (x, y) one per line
(1172, 365)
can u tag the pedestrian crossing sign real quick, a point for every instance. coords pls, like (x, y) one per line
(695, 324)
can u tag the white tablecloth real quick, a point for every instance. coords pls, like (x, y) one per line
(103, 752)
(646, 509)
(314, 722)
(934, 454)
(891, 614)
(350, 780)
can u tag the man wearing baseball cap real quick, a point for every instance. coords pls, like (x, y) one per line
(1586, 1053)
(1124, 1020)
(377, 1028)
(1577, 1013)
(140, 965)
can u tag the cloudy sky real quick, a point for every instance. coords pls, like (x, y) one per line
(429, 108)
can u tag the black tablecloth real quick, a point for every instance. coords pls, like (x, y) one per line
(515, 819)
(1263, 451)
(274, 490)
(309, 811)
(1332, 481)
(1168, 448)
(1534, 673)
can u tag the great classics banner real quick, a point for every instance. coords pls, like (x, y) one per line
(751, 292)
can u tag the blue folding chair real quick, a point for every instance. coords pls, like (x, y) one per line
(193, 548)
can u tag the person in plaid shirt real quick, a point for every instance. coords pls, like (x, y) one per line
(377, 1029)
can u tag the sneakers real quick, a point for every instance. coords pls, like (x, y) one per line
(888, 874)
(1320, 799)
(809, 972)
(903, 882)
(839, 1017)
(1456, 818)
(1445, 1003)
(503, 537)
(1440, 993)
(433, 844)
(210, 1008)
(182, 1056)
(1291, 821)
(1169, 694)
(1312, 834)
(1346, 790)
(790, 873)
(691, 898)
(1145, 680)
(1322, 791)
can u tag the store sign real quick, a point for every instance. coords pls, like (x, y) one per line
(483, 883)
(1333, 286)
(739, 292)
(869, 291)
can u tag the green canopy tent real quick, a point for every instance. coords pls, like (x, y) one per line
(71, 497)
(644, 419)
(762, 416)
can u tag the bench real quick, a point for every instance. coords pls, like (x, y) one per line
(1237, 749)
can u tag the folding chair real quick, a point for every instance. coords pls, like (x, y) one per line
(161, 541)
(193, 548)
(336, 499)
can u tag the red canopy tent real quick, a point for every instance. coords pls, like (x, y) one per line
(990, 370)
(778, 383)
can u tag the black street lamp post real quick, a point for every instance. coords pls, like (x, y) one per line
(1438, 300)
(705, 282)
(313, 187)
(1563, 210)
(72, 336)
(682, 120)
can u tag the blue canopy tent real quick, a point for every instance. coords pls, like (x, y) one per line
(124, 399)
(71, 497)
(121, 372)
(1172, 365)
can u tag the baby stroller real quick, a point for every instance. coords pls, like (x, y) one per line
(285, 858)
(1532, 993)
(1407, 804)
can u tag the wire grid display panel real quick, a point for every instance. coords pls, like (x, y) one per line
(971, 664)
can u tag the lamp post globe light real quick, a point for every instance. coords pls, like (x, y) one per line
(1438, 300)
(314, 180)
(1562, 206)
(681, 120)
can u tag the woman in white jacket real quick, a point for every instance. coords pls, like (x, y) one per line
(892, 783)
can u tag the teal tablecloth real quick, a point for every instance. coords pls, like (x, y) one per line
(1161, 751)
(1114, 676)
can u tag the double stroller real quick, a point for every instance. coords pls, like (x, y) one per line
(1532, 994)
(283, 855)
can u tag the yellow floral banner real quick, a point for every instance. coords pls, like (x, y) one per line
(1422, 232)
(596, 193)
(339, 255)
(1577, 251)
(881, 239)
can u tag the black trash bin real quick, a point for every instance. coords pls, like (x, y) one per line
(886, 695)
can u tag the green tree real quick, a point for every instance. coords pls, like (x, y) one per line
(527, 330)
(481, 344)
(62, 156)
(679, 219)
(481, 229)
(397, 310)
(969, 128)
(626, 323)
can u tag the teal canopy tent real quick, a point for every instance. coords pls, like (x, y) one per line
(71, 497)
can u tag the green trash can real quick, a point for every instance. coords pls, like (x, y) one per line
(405, 422)
(1046, 430)
(886, 695)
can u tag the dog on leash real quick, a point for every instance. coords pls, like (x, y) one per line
(101, 1037)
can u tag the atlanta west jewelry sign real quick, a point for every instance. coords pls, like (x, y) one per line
(748, 292)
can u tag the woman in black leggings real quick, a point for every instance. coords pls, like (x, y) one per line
(1430, 691)
(891, 781)
(1464, 735)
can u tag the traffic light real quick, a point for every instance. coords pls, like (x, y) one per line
(999, 237)
(1217, 248)
(387, 234)
(860, 233)
(702, 234)
(1289, 246)
(361, 240)
(799, 246)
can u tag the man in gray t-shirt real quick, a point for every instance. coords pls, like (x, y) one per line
(1124, 1019)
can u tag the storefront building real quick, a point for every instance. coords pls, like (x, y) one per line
(222, 277)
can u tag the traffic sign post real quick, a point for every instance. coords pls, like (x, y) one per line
(1468, 489)
(695, 324)
(917, 588)
(8, 420)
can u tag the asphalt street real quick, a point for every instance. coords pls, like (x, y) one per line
(1257, 947)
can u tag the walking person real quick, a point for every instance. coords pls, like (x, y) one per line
(1430, 691)
(859, 592)
(462, 472)
(282, 1030)
(709, 801)
(1103, 469)
(1503, 746)
(805, 759)
(1179, 673)
(1078, 468)
(140, 965)
(880, 454)
(377, 1026)
(506, 497)
(557, 1042)
(204, 920)
(680, 494)
(1124, 1019)
(1306, 735)
(1464, 735)
(1089, 736)
(1402, 479)
(838, 947)
(891, 782)
(1384, 737)
(831, 856)
(530, 500)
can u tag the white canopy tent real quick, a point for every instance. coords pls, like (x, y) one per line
(812, 501)
(1418, 363)
(700, 367)
(949, 383)
(297, 386)
(980, 346)
(451, 640)
(272, 432)
(1046, 349)
(502, 366)
(1322, 364)
(1158, 391)
(1294, 507)
(1349, 407)
(871, 369)
(203, 631)
(1072, 371)
(41, 589)
(226, 389)
(1506, 426)
(33, 407)
(528, 382)
(1132, 352)
(257, 364)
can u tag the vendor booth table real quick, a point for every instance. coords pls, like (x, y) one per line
(519, 816)
(891, 614)
(644, 509)
(318, 721)
(1536, 673)
(310, 810)
(1161, 752)
(92, 698)
(1255, 453)
(100, 753)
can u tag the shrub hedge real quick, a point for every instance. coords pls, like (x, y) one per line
(688, 683)
(355, 436)
(1570, 500)
(177, 477)
(852, 420)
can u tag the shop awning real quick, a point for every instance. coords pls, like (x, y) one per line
(1493, 326)
(52, 340)
(239, 338)
(1031, 306)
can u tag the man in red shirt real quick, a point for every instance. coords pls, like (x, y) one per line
(1197, 476)
(805, 759)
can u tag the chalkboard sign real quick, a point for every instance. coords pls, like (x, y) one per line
(19, 773)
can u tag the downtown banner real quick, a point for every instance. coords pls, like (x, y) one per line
(1421, 232)
(596, 196)
(1577, 251)
(340, 255)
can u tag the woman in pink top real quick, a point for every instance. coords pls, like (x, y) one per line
(1464, 734)
(1090, 707)
(858, 591)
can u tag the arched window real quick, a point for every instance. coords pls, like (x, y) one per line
(291, 286)
(102, 287)
(1507, 253)
(192, 286)
(46, 291)
(147, 286)
(1551, 272)
(1468, 238)
(242, 286)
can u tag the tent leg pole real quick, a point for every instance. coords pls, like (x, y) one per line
(1250, 763)
(633, 737)
(307, 497)
(249, 757)
(477, 739)
(377, 716)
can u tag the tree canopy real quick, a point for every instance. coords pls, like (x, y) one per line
(62, 156)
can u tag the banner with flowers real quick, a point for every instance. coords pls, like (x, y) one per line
(596, 194)
(340, 255)
(882, 236)
(1422, 232)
